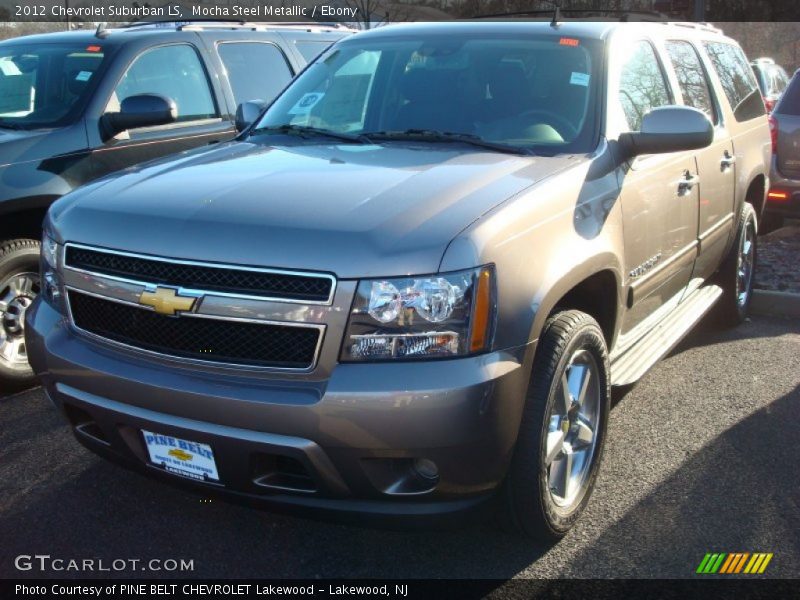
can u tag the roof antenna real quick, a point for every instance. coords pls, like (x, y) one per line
(101, 31)
(556, 15)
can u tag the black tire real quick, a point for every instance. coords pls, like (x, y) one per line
(528, 500)
(16, 257)
(734, 305)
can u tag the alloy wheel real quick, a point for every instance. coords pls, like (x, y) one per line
(17, 293)
(573, 429)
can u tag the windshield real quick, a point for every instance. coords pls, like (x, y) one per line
(45, 84)
(534, 93)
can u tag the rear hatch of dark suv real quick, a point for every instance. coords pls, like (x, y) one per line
(787, 124)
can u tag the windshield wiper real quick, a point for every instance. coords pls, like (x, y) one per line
(307, 132)
(434, 135)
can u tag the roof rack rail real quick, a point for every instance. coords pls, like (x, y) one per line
(701, 25)
(622, 15)
(194, 24)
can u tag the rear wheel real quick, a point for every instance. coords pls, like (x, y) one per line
(737, 272)
(562, 432)
(19, 286)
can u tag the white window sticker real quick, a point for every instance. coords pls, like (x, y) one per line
(8, 67)
(306, 103)
(83, 76)
(579, 79)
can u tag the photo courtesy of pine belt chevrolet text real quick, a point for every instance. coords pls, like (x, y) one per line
(404, 292)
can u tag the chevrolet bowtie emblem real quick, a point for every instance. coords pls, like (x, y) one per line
(166, 301)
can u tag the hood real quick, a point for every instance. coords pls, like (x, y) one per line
(19, 145)
(352, 210)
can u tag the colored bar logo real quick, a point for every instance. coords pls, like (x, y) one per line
(734, 563)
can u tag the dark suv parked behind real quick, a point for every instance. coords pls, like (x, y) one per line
(75, 106)
(783, 199)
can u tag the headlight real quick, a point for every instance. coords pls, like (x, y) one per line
(51, 282)
(440, 316)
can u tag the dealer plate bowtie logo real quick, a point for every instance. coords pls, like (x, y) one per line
(167, 301)
(734, 563)
(180, 454)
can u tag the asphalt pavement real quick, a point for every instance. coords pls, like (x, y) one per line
(702, 456)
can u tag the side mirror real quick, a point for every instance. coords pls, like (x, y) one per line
(669, 129)
(144, 110)
(247, 113)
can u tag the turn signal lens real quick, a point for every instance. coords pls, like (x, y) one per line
(481, 312)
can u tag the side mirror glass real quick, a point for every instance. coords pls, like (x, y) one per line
(143, 110)
(669, 129)
(247, 113)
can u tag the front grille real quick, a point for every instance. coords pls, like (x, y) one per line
(221, 341)
(230, 280)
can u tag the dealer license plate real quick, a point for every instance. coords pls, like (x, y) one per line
(182, 457)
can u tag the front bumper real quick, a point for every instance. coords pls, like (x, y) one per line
(342, 446)
(789, 207)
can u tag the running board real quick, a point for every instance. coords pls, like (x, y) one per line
(635, 362)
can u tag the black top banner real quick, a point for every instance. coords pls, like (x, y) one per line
(375, 12)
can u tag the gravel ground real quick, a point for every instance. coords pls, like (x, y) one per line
(778, 263)
(702, 457)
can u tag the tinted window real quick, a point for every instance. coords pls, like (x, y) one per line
(46, 84)
(642, 85)
(517, 91)
(257, 71)
(172, 71)
(737, 79)
(789, 104)
(691, 77)
(311, 50)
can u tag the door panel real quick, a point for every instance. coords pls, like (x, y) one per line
(660, 224)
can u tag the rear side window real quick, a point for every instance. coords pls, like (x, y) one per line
(642, 85)
(256, 70)
(789, 103)
(311, 50)
(691, 77)
(172, 71)
(737, 79)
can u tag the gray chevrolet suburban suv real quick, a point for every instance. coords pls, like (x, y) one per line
(407, 288)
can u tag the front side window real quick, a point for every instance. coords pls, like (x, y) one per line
(46, 84)
(737, 79)
(691, 77)
(172, 71)
(256, 70)
(642, 85)
(527, 93)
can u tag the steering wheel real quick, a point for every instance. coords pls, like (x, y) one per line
(559, 123)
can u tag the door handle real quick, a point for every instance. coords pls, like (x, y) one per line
(686, 184)
(727, 161)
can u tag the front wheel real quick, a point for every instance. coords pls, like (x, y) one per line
(19, 285)
(563, 426)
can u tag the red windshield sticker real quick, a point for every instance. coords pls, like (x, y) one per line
(569, 42)
(93, 48)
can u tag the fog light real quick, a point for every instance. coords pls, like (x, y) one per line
(426, 469)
